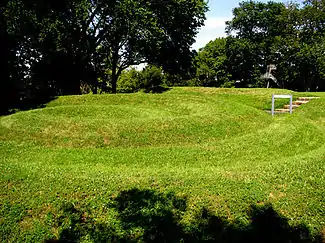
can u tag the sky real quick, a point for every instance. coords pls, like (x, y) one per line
(220, 12)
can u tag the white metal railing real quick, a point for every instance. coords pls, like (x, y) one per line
(281, 97)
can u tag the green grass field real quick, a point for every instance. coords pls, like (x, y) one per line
(216, 148)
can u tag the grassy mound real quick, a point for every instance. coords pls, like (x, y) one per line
(217, 148)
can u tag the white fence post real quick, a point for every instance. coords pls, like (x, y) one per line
(273, 105)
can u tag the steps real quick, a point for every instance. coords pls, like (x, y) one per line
(293, 106)
(300, 101)
(282, 110)
(307, 98)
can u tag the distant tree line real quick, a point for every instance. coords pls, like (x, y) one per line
(291, 36)
(62, 47)
(288, 35)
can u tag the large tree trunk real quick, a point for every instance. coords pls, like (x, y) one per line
(114, 78)
(115, 74)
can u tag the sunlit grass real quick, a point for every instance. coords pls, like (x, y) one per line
(217, 147)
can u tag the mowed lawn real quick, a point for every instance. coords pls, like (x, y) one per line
(218, 148)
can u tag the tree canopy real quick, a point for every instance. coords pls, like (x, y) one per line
(54, 47)
(288, 35)
(64, 47)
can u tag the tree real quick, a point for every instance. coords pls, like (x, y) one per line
(16, 29)
(253, 31)
(288, 35)
(6, 56)
(130, 81)
(155, 32)
(242, 55)
(211, 63)
(152, 78)
(119, 34)
(29, 31)
(313, 20)
(52, 47)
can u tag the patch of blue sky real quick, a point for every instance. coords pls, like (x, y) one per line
(220, 11)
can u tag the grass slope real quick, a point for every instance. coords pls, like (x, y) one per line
(216, 147)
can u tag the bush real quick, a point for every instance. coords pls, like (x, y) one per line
(152, 77)
(228, 84)
(129, 81)
(175, 80)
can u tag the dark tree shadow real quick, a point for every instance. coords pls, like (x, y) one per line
(266, 225)
(157, 89)
(157, 214)
(150, 216)
(27, 104)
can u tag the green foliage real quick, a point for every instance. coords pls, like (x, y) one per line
(289, 36)
(55, 47)
(252, 32)
(211, 64)
(172, 80)
(229, 84)
(142, 31)
(152, 77)
(130, 81)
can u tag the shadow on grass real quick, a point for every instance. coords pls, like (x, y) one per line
(150, 216)
(157, 89)
(27, 105)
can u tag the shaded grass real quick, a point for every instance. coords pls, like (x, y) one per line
(217, 147)
(148, 216)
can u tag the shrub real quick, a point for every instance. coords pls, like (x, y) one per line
(129, 81)
(152, 77)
